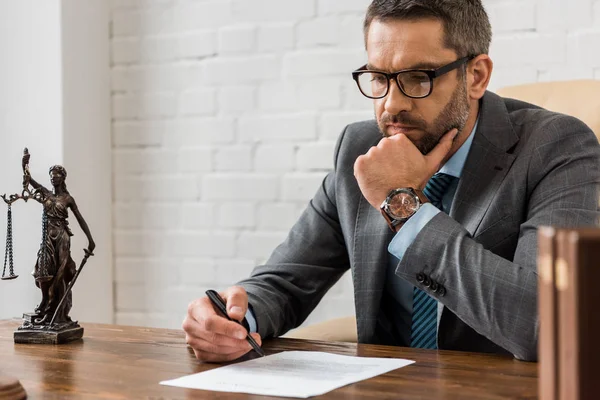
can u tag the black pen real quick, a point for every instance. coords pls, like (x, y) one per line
(220, 304)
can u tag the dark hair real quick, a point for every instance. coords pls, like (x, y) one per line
(466, 24)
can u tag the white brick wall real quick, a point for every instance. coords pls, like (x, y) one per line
(225, 115)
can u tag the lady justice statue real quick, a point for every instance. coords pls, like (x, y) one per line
(55, 271)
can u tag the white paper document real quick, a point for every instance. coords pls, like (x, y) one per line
(290, 374)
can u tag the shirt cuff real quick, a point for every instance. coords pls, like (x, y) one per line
(409, 231)
(251, 319)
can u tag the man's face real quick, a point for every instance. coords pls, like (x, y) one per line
(397, 45)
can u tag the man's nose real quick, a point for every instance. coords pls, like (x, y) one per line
(396, 101)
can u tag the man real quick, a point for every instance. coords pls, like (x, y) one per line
(434, 207)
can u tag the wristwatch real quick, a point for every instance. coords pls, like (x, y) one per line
(400, 205)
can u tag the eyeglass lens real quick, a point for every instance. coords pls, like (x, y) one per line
(412, 83)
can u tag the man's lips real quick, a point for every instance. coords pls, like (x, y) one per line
(398, 128)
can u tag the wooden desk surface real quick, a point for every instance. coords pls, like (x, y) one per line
(120, 362)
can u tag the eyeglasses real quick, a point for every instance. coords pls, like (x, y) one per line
(414, 83)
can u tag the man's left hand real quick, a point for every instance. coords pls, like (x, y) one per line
(397, 163)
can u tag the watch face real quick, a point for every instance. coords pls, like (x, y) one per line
(403, 204)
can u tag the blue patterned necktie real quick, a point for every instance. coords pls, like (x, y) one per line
(424, 316)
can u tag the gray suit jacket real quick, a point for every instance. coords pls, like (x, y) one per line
(527, 167)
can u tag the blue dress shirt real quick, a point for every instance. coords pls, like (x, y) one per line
(401, 291)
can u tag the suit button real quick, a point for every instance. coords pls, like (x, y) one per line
(427, 282)
(420, 277)
(434, 287)
(441, 291)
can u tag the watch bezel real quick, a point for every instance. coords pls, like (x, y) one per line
(385, 206)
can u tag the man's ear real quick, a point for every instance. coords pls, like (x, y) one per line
(479, 72)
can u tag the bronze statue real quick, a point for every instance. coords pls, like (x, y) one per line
(55, 271)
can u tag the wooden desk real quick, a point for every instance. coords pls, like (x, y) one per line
(119, 362)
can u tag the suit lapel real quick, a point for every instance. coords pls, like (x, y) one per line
(370, 265)
(487, 164)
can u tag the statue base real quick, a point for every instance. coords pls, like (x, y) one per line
(12, 389)
(33, 332)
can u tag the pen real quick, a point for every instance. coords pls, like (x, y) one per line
(220, 304)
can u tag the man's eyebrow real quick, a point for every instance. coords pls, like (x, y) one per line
(421, 65)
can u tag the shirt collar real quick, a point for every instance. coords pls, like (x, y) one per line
(455, 164)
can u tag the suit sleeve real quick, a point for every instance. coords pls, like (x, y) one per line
(313, 257)
(497, 297)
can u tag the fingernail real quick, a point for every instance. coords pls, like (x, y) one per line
(240, 335)
(236, 310)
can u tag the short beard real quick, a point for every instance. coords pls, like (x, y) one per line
(454, 115)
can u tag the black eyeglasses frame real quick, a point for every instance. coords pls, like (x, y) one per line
(431, 73)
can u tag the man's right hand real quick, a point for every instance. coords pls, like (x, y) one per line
(214, 338)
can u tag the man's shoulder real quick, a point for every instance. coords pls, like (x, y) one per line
(532, 121)
(360, 134)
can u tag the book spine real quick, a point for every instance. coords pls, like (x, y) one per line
(568, 328)
(547, 310)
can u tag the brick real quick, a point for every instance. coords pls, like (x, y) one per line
(141, 22)
(242, 70)
(512, 16)
(151, 78)
(315, 156)
(351, 33)
(137, 133)
(236, 215)
(534, 49)
(338, 7)
(306, 94)
(130, 296)
(146, 216)
(353, 98)
(198, 272)
(127, 188)
(144, 105)
(551, 16)
(195, 159)
(276, 216)
(143, 161)
(143, 270)
(258, 245)
(196, 45)
(164, 48)
(579, 48)
(139, 244)
(236, 158)
(231, 271)
(147, 319)
(317, 32)
(157, 188)
(322, 62)
(275, 37)
(200, 244)
(198, 215)
(301, 186)
(237, 39)
(202, 15)
(197, 102)
(274, 158)
(125, 51)
(198, 132)
(236, 98)
(564, 73)
(272, 10)
(332, 124)
(278, 127)
(242, 187)
(503, 77)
